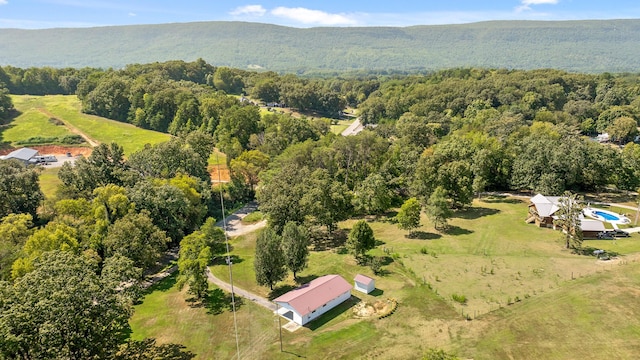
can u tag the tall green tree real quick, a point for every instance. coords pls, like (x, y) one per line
(61, 310)
(569, 211)
(437, 208)
(249, 165)
(360, 239)
(15, 229)
(409, 215)
(136, 237)
(373, 196)
(269, 264)
(295, 247)
(19, 189)
(192, 264)
(54, 236)
(106, 165)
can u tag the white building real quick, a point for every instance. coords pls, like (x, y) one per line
(313, 299)
(364, 283)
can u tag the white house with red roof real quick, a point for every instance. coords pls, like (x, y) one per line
(364, 283)
(313, 299)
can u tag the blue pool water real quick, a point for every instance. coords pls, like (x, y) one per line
(607, 216)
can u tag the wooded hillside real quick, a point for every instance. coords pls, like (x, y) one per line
(584, 46)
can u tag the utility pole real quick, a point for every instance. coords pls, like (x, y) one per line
(279, 324)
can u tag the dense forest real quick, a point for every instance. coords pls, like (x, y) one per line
(441, 138)
(584, 46)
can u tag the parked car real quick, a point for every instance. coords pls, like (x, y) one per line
(606, 235)
(620, 233)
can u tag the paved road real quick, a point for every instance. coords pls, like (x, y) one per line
(241, 292)
(354, 128)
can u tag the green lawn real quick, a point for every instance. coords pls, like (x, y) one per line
(31, 122)
(67, 108)
(340, 126)
(49, 181)
(205, 329)
(522, 301)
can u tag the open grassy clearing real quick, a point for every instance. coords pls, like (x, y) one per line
(49, 181)
(67, 108)
(597, 317)
(527, 262)
(167, 315)
(338, 126)
(30, 123)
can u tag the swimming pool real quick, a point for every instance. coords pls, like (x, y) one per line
(607, 216)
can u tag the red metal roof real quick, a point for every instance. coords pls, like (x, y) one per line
(314, 294)
(362, 279)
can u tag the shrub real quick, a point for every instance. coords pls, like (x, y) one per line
(72, 139)
(424, 251)
(461, 299)
(375, 264)
(56, 121)
(253, 218)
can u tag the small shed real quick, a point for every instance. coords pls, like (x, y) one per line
(364, 283)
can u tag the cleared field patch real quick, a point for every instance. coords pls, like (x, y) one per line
(207, 330)
(67, 108)
(491, 257)
(31, 123)
(597, 317)
(49, 181)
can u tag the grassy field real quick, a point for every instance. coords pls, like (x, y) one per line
(67, 108)
(527, 297)
(49, 181)
(31, 122)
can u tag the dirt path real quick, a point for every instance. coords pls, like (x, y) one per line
(71, 128)
(235, 227)
(241, 292)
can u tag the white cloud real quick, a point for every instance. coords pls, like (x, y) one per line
(251, 10)
(4, 2)
(539, 2)
(526, 4)
(315, 17)
(132, 14)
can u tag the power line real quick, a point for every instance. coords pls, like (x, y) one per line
(228, 259)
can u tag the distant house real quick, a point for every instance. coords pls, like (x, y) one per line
(541, 210)
(603, 138)
(26, 155)
(313, 299)
(364, 283)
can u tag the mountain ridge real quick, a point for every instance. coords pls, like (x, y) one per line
(580, 45)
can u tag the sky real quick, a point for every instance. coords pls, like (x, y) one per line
(38, 14)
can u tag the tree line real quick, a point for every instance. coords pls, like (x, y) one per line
(433, 142)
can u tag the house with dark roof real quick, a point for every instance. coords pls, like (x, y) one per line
(313, 299)
(26, 155)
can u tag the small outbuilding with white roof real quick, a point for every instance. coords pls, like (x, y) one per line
(364, 283)
(313, 299)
